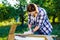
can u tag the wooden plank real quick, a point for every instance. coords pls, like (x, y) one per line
(31, 35)
(18, 34)
(47, 37)
(11, 37)
(11, 32)
(29, 38)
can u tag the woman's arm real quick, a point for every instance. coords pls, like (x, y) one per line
(29, 26)
(29, 21)
(40, 20)
(35, 29)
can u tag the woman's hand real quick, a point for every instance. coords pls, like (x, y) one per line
(28, 32)
(35, 29)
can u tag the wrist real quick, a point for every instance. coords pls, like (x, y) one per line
(33, 31)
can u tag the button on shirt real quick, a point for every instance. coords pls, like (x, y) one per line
(41, 21)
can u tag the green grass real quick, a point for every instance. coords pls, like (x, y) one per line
(56, 29)
(5, 38)
(4, 30)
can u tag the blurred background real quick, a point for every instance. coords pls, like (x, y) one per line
(14, 12)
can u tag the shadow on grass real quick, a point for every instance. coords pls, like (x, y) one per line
(56, 29)
(4, 30)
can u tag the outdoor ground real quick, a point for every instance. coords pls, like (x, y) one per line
(4, 30)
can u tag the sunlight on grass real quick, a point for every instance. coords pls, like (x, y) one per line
(9, 22)
(51, 19)
(12, 21)
(5, 38)
(56, 19)
(0, 38)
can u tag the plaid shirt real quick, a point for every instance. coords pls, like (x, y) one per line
(41, 21)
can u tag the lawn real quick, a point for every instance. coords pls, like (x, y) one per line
(4, 30)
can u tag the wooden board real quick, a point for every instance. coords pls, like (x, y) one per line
(11, 32)
(30, 36)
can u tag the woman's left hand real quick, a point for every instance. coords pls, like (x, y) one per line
(28, 32)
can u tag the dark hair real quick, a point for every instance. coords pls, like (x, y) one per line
(31, 8)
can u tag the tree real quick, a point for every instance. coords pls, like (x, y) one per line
(7, 12)
(21, 10)
(52, 7)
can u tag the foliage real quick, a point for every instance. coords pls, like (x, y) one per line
(7, 12)
(52, 7)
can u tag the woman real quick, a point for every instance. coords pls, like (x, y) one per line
(38, 18)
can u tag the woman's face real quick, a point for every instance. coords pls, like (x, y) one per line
(33, 13)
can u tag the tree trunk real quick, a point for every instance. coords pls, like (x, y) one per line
(54, 18)
(22, 19)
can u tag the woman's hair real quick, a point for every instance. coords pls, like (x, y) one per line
(31, 8)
